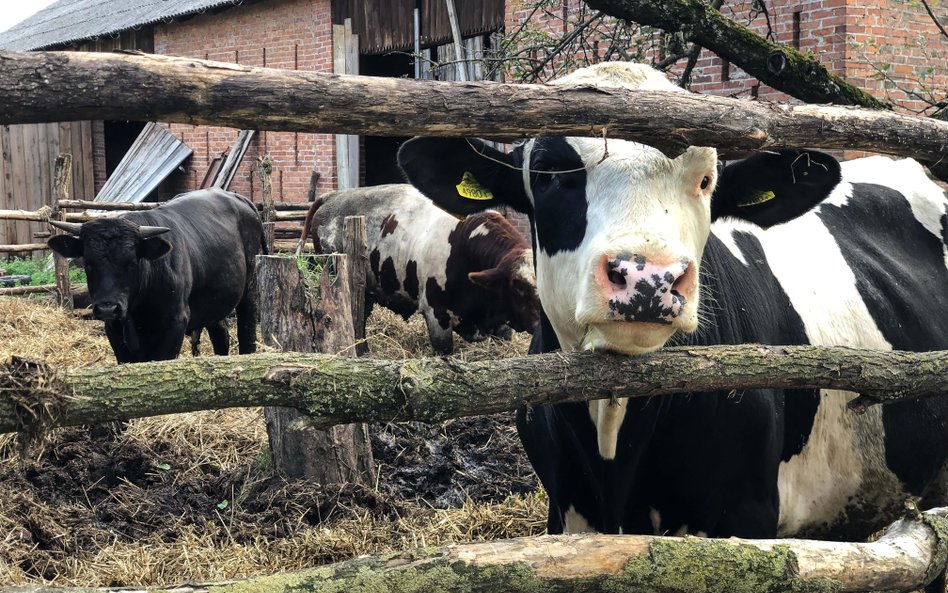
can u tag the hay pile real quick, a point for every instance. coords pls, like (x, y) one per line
(192, 497)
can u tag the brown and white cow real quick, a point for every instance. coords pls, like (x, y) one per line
(473, 276)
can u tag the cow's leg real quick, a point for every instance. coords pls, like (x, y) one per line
(220, 339)
(168, 338)
(442, 340)
(247, 323)
(196, 341)
(115, 332)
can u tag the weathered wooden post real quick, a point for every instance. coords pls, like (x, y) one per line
(357, 252)
(310, 311)
(265, 168)
(61, 180)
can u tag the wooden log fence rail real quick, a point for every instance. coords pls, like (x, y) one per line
(908, 556)
(336, 390)
(41, 86)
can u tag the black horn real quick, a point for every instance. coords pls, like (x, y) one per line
(70, 227)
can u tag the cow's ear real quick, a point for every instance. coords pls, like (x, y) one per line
(491, 279)
(66, 245)
(153, 248)
(464, 175)
(775, 186)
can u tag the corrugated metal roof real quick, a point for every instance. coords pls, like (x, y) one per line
(154, 155)
(68, 21)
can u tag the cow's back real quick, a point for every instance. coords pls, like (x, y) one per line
(215, 235)
(407, 238)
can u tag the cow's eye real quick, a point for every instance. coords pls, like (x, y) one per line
(705, 182)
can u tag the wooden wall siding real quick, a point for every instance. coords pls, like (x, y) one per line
(388, 25)
(29, 153)
(141, 40)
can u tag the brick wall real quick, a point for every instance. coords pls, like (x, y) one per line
(849, 36)
(291, 34)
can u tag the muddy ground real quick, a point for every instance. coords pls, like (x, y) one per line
(106, 508)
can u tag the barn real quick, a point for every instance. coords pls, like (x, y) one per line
(291, 34)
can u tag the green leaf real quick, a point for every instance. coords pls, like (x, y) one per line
(223, 504)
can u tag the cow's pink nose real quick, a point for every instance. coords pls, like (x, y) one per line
(639, 290)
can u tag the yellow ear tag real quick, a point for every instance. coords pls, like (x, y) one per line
(472, 190)
(760, 198)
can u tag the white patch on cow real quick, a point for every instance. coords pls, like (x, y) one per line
(844, 456)
(656, 518)
(619, 75)
(608, 415)
(573, 522)
(724, 230)
(525, 269)
(480, 230)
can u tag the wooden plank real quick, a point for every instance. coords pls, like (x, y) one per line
(21, 166)
(6, 180)
(339, 50)
(85, 137)
(62, 179)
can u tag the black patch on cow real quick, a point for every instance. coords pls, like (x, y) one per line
(389, 224)
(411, 279)
(388, 277)
(436, 300)
(900, 273)
(560, 202)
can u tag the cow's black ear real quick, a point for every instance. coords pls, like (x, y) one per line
(464, 175)
(775, 186)
(153, 248)
(66, 245)
(491, 279)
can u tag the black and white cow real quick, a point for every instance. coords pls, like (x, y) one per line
(473, 276)
(635, 250)
(158, 274)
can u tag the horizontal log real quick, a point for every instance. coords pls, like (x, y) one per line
(28, 289)
(90, 205)
(909, 555)
(30, 215)
(289, 246)
(45, 86)
(23, 247)
(341, 390)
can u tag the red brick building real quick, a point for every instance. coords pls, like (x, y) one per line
(892, 49)
(857, 39)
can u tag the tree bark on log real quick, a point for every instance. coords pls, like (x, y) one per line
(63, 175)
(45, 86)
(338, 390)
(907, 557)
(309, 312)
(357, 256)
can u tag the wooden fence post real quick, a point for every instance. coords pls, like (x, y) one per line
(62, 178)
(265, 168)
(357, 252)
(310, 312)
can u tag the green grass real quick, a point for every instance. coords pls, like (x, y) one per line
(35, 269)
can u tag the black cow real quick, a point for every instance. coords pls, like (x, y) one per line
(473, 276)
(635, 250)
(158, 274)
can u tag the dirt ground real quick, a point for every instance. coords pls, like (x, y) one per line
(193, 498)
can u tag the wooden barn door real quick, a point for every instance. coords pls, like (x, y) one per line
(29, 154)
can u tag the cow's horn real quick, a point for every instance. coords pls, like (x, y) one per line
(70, 227)
(152, 231)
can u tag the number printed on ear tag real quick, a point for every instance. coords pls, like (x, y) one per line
(472, 190)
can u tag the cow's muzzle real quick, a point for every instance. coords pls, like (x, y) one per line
(641, 290)
(108, 311)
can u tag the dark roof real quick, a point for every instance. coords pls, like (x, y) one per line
(68, 21)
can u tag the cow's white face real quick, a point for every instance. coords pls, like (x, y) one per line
(619, 228)
(619, 242)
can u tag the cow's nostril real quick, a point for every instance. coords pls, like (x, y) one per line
(684, 279)
(616, 278)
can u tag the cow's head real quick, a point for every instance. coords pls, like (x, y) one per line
(619, 228)
(112, 250)
(513, 281)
